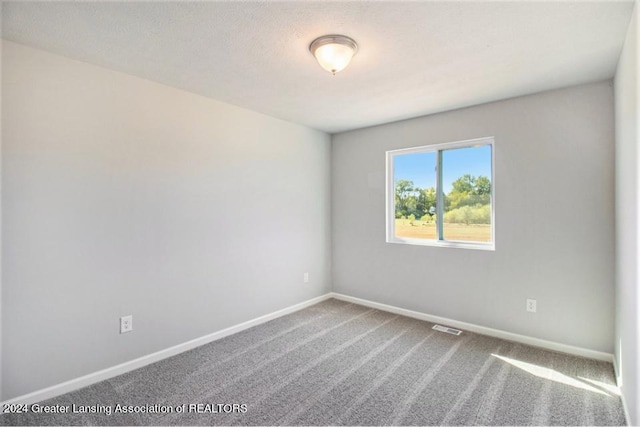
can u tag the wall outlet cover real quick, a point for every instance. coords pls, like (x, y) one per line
(531, 305)
(126, 324)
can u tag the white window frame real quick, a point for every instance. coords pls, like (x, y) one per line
(438, 149)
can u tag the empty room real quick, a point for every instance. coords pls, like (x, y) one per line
(320, 213)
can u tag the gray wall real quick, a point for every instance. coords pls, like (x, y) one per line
(554, 219)
(627, 218)
(123, 196)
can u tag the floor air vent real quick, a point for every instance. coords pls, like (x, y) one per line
(447, 330)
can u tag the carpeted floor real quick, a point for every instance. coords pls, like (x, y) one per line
(337, 363)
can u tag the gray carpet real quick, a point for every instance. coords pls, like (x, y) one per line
(337, 363)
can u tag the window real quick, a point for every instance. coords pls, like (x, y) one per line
(442, 195)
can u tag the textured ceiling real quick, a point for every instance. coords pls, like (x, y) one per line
(415, 58)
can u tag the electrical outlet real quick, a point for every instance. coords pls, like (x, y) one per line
(306, 277)
(126, 324)
(531, 305)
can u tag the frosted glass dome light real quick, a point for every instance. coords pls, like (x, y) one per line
(333, 52)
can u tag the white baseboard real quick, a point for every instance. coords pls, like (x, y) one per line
(625, 409)
(87, 380)
(550, 345)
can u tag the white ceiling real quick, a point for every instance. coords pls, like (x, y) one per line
(415, 58)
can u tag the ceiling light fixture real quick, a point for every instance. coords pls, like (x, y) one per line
(333, 52)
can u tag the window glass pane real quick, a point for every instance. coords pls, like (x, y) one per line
(414, 179)
(466, 182)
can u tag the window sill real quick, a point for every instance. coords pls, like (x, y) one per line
(444, 244)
